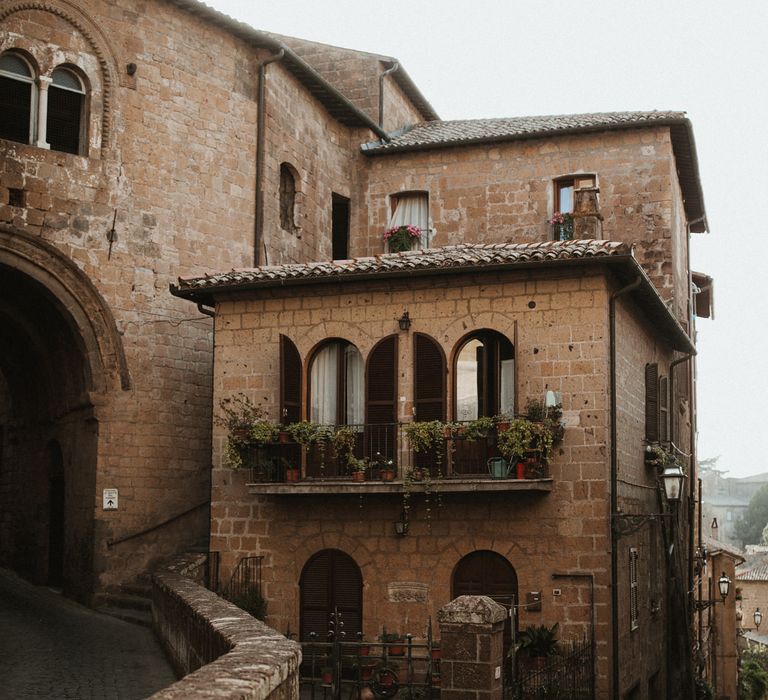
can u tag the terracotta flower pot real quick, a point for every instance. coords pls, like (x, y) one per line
(292, 475)
(283, 437)
(358, 476)
(388, 474)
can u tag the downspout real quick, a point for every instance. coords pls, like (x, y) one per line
(691, 466)
(261, 135)
(389, 70)
(203, 310)
(614, 488)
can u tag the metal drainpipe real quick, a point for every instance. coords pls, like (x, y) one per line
(261, 134)
(201, 308)
(614, 486)
(389, 70)
(691, 466)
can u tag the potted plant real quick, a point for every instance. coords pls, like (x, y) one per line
(357, 468)
(326, 675)
(538, 642)
(385, 466)
(502, 421)
(239, 415)
(393, 642)
(304, 432)
(344, 440)
(401, 238)
(292, 472)
(562, 226)
(515, 442)
(425, 436)
(263, 433)
(478, 429)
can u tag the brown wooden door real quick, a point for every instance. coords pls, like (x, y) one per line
(331, 580)
(487, 573)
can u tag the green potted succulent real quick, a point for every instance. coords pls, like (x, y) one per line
(538, 641)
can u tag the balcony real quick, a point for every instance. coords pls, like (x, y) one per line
(460, 465)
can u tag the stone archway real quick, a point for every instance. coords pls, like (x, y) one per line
(59, 358)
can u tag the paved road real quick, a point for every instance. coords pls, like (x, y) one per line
(51, 647)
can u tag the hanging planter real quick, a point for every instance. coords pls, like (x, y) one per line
(401, 238)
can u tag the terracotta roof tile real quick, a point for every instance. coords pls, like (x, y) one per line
(442, 133)
(458, 256)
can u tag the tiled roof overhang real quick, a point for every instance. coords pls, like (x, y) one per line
(451, 134)
(451, 260)
(338, 106)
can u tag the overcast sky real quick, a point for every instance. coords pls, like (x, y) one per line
(492, 58)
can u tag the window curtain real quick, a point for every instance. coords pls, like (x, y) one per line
(324, 385)
(355, 386)
(412, 209)
(507, 397)
(467, 378)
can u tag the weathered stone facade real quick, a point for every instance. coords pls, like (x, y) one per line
(166, 185)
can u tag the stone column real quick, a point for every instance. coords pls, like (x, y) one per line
(42, 112)
(472, 643)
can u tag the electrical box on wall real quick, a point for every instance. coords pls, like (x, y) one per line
(533, 601)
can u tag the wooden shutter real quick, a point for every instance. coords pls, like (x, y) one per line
(663, 409)
(652, 402)
(428, 379)
(381, 382)
(290, 382)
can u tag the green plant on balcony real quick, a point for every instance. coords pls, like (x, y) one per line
(344, 440)
(240, 416)
(660, 457)
(479, 428)
(562, 226)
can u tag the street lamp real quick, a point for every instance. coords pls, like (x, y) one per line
(724, 584)
(673, 482)
(758, 618)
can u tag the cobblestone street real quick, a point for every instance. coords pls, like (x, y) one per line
(52, 647)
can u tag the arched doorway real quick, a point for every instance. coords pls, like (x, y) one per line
(487, 573)
(331, 580)
(48, 423)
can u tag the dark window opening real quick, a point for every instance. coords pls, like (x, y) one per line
(15, 108)
(340, 227)
(290, 382)
(429, 379)
(16, 197)
(287, 198)
(65, 114)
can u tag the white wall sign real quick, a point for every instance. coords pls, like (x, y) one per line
(110, 499)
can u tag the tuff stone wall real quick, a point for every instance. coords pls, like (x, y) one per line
(504, 193)
(221, 651)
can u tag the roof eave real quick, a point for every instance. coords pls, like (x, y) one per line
(646, 294)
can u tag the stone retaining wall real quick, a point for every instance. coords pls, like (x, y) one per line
(221, 650)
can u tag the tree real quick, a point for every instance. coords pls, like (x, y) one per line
(750, 529)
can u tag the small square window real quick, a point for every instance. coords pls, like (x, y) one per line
(16, 197)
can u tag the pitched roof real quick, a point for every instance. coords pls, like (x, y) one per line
(714, 545)
(455, 259)
(466, 132)
(755, 573)
(337, 105)
(304, 48)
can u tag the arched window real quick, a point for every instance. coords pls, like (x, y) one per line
(66, 104)
(381, 399)
(17, 98)
(287, 198)
(484, 376)
(336, 384)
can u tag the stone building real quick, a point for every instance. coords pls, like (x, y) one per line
(142, 147)
(725, 500)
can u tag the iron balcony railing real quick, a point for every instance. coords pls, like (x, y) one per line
(381, 447)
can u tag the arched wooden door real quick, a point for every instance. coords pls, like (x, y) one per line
(487, 573)
(331, 580)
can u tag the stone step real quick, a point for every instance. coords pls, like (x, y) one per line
(132, 615)
(126, 601)
(138, 588)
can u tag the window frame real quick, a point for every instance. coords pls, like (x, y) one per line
(426, 232)
(82, 126)
(34, 92)
(341, 407)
